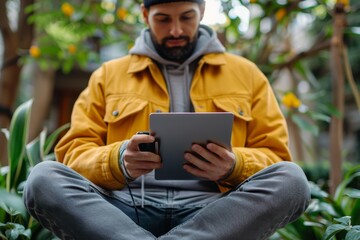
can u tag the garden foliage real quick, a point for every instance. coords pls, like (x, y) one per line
(15, 222)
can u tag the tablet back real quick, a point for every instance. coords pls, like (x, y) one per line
(176, 133)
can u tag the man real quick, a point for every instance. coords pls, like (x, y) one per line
(176, 65)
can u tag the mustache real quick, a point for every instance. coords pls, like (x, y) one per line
(175, 38)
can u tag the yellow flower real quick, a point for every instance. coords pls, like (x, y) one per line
(121, 13)
(291, 101)
(72, 48)
(35, 51)
(280, 14)
(67, 9)
(252, 1)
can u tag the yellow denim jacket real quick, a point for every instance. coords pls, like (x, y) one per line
(123, 92)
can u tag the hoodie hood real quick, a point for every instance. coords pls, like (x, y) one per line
(207, 43)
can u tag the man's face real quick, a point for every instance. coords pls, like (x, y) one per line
(174, 28)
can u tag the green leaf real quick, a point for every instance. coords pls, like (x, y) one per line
(346, 220)
(2, 178)
(313, 224)
(352, 171)
(33, 151)
(287, 235)
(45, 234)
(342, 186)
(50, 141)
(319, 117)
(355, 216)
(316, 206)
(353, 234)
(328, 208)
(330, 109)
(15, 231)
(332, 230)
(12, 203)
(19, 128)
(39, 149)
(4, 170)
(305, 124)
(316, 191)
(352, 193)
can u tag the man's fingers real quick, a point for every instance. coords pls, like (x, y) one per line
(212, 162)
(142, 165)
(139, 138)
(138, 162)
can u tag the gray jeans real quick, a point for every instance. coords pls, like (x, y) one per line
(73, 208)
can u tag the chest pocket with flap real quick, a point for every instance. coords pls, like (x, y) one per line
(125, 117)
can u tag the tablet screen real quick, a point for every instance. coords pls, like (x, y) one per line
(176, 132)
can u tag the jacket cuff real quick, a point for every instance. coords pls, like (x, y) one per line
(121, 162)
(234, 177)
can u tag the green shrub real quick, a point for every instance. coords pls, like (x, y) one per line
(15, 222)
(319, 173)
(328, 217)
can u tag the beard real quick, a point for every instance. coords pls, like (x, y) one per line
(175, 54)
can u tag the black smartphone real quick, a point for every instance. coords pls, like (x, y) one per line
(148, 147)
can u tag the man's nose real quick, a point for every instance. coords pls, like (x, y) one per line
(176, 29)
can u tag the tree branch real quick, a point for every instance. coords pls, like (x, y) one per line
(4, 22)
(24, 28)
(305, 54)
(337, 74)
(265, 52)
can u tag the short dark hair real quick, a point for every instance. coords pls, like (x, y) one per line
(148, 3)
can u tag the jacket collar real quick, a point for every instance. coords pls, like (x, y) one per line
(139, 63)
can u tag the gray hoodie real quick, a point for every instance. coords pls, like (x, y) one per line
(178, 78)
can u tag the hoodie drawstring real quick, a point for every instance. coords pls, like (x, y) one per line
(142, 190)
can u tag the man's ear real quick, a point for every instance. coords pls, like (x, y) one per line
(145, 13)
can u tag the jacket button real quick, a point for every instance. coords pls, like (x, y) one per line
(158, 111)
(241, 112)
(115, 113)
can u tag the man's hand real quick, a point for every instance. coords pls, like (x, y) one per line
(136, 162)
(218, 164)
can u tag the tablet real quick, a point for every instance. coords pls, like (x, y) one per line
(176, 132)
